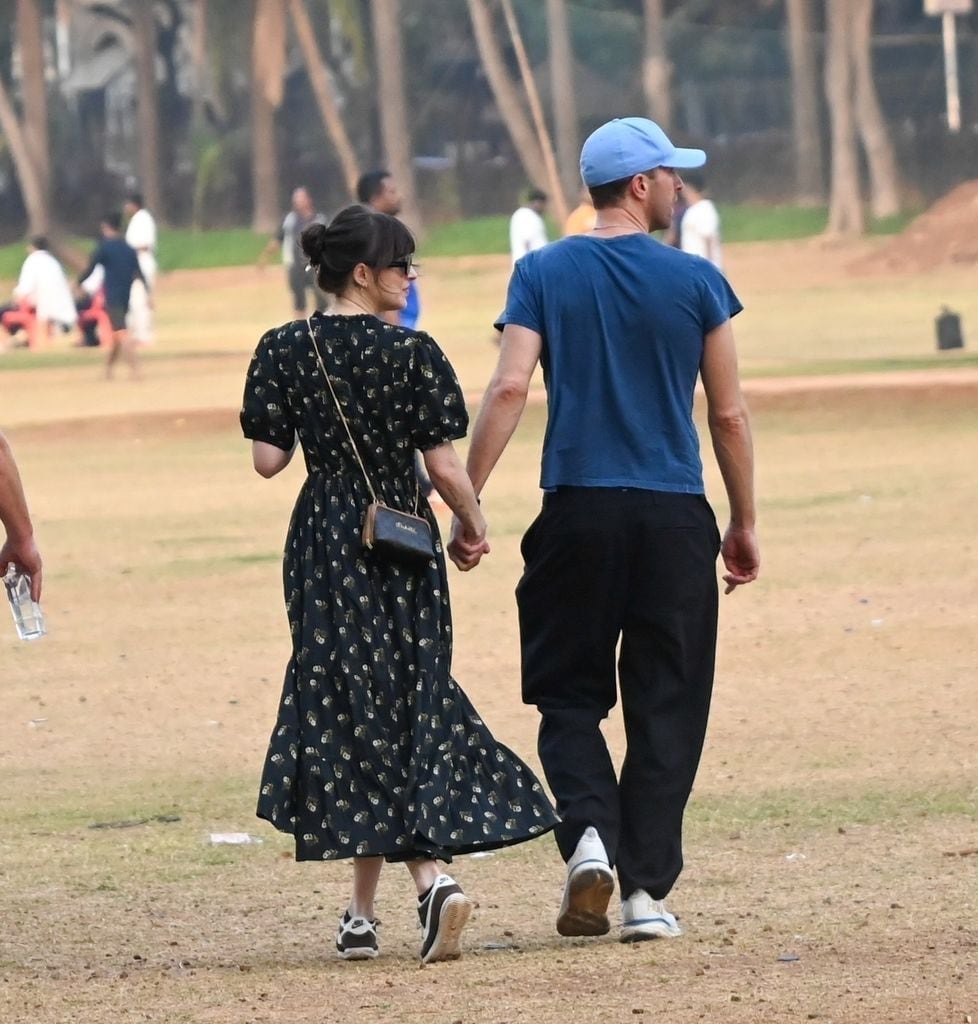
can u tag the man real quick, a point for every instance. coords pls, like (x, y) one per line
(378, 190)
(19, 546)
(625, 546)
(527, 230)
(42, 288)
(141, 235)
(300, 281)
(699, 229)
(120, 267)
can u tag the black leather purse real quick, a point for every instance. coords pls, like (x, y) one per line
(399, 536)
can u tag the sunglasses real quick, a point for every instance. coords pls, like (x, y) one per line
(405, 265)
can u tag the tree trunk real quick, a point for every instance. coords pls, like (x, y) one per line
(30, 40)
(144, 43)
(656, 67)
(198, 55)
(507, 95)
(564, 99)
(884, 179)
(322, 88)
(845, 204)
(38, 220)
(394, 129)
(809, 157)
(267, 69)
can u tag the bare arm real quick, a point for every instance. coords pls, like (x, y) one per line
(453, 484)
(729, 424)
(269, 459)
(19, 546)
(504, 401)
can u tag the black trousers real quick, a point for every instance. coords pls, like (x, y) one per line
(604, 565)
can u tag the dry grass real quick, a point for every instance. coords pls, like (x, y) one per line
(839, 777)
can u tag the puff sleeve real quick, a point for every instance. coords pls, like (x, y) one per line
(439, 406)
(264, 415)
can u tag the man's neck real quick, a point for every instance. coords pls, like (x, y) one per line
(619, 220)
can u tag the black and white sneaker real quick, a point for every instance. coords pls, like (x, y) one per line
(356, 938)
(444, 912)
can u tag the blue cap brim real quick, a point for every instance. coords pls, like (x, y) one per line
(686, 159)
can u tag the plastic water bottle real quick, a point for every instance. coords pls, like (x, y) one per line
(28, 617)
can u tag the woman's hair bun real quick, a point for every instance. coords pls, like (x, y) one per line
(313, 242)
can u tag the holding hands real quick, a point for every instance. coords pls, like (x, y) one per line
(466, 548)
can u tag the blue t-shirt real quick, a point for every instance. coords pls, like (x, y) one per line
(623, 322)
(120, 263)
(411, 313)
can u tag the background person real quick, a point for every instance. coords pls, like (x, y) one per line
(583, 217)
(120, 267)
(699, 227)
(141, 235)
(300, 280)
(379, 191)
(19, 547)
(42, 287)
(527, 229)
(625, 546)
(395, 762)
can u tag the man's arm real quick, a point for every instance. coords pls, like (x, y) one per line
(730, 430)
(504, 401)
(19, 546)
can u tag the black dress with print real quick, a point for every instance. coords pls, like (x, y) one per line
(376, 749)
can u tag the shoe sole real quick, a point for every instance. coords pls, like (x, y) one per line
(362, 953)
(584, 910)
(455, 913)
(649, 932)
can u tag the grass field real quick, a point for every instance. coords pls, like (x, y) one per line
(832, 846)
(184, 249)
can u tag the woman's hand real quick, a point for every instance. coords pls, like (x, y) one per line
(466, 548)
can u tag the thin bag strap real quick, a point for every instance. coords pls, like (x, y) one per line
(349, 433)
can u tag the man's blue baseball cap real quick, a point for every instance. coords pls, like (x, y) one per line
(631, 145)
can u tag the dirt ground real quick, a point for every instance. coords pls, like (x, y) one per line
(832, 841)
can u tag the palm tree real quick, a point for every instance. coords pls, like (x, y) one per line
(562, 91)
(884, 183)
(656, 67)
(267, 71)
(27, 138)
(144, 47)
(30, 39)
(322, 88)
(809, 158)
(507, 96)
(845, 204)
(389, 53)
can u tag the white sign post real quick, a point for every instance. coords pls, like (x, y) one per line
(947, 9)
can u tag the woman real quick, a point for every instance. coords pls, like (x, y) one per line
(377, 754)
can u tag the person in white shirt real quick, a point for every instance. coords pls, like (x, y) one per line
(699, 229)
(42, 285)
(141, 235)
(527, 230)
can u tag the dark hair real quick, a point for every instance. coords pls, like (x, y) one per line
(113, 219)
(371, 185)
(355, 235)
(39, 242)
(695, 178)
(536, 195)
(609, 194)
(136, 198)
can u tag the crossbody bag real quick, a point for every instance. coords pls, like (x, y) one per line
(400, 536)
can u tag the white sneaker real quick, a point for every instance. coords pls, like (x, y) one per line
(590, 883)
(444, 912)
(645, 918)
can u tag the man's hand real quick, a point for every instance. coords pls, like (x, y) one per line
(27, 559)
(741, 556)
(464, 550)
